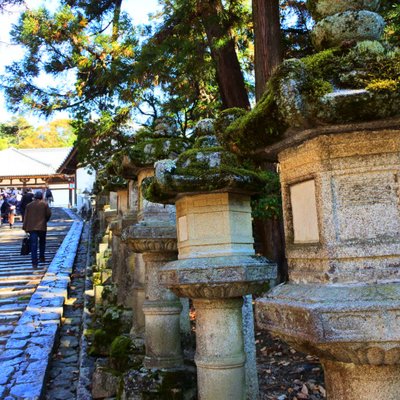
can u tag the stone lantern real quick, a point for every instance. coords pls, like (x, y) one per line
(124, 263)
(340, 194)
(217, 265)
(154, 238)
(342, 225)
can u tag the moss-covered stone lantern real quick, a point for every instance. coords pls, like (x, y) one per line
(217, 265)
(340, 191)
(154, 237)
(123, 260)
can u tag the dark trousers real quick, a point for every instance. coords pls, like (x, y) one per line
(34, 237)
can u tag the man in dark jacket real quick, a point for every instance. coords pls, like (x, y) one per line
(37, 214)
(5, 209)
(27, 198)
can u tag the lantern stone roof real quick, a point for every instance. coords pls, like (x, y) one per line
(32, 162)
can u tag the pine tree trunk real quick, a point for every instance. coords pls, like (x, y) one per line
(229, 74)
(267, 41)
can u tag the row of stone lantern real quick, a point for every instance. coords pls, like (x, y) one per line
(212, 261)
(341, 211)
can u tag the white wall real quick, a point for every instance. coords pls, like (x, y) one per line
(84, 183)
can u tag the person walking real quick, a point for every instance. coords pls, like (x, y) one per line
(27, 198)
(12, 211)
(48, 195)
(37, 214)
(5, 209)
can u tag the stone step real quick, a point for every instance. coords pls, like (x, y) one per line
(12, 306)
(34, 280)
(27, 266)
(10, 317)
(13, 293)
(8, 277)
(16, 288)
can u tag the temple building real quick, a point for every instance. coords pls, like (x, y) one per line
(38, 168)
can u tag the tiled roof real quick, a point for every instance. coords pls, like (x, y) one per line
(31, 162)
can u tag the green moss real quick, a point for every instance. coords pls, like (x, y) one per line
(143, 134)
(296, 94)
(324, 63)
(268, 203)
(258, 128)
(318, 88)
(100, 343)
(96, 278)
(120, 352)
(109, 294)
(193, 173)
(153, 192)
(390, 85)
(227, 117)
(154, 149)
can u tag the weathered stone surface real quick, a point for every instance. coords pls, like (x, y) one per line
(217, 277)
(155, 237)
(214, 224)
(104, 384)
(251, 376)
(350, 382)
(347, 323)
(357, 104)
(143, 238)
(220, 358)
(162, 350)
(31, 391)
(343, 298)
(324, 8)
(349, 25)
(356, 206)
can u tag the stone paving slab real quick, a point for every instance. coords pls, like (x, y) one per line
(69, 361)
(24, 362)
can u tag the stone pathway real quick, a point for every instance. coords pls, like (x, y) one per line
(18, 280)
(28, 349)
(65, 364)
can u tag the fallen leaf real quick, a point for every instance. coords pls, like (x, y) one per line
(304, 389)
(322, 391)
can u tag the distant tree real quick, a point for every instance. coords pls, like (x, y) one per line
(19, 133)
(58, 133)
(13, 132)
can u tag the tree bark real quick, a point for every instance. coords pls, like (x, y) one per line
(229, 74)
(268, 54)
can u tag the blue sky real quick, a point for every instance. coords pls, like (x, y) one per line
(138, 9)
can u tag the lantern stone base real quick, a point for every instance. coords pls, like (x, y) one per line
(220, 358)
(352, 328)
(216, 285)
(162, 340)
(161, 308)
(361, 382)
(138, 315)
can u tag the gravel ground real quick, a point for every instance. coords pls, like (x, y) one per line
(285, 373)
